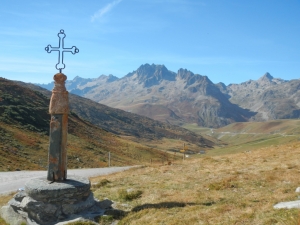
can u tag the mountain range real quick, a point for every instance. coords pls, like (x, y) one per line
(184, 97)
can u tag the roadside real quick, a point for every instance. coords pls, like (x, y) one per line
(12, 181)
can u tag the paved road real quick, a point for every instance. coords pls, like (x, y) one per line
(12, 181)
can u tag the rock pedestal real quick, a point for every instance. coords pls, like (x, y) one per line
(44, 202)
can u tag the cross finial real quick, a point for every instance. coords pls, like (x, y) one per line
(61, 49)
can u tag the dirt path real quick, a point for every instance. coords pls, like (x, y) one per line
(12, 181)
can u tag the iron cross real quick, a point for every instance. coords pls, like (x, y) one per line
(61, 49)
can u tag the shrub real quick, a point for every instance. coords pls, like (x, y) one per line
(129, 195)
(101, 183)
(106, 220)
(224, 184)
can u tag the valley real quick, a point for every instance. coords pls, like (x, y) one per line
(249, 136)
(130, 138)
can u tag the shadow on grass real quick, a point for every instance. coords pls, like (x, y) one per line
(161, 205)
(120, 214)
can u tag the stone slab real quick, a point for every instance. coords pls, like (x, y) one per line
(288, 205)
(74, 189)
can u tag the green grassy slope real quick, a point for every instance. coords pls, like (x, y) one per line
(247, 136)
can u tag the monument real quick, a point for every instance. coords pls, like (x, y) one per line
(57, 197)
(59, 109)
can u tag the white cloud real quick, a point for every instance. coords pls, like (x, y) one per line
(101, 12)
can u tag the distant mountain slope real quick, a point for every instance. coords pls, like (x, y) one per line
(185, 97)
(81, 85)
(271, 98)
(160, 94)
(24, 135)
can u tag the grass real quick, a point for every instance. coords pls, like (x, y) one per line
(129, 195)
(239, 188)
(28, 150)
(249, 136)
(249, 143)
(237, 184)
(195, 128)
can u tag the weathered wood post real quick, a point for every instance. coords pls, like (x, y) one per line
(59, 109)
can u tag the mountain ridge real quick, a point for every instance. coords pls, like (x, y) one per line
(185, 97)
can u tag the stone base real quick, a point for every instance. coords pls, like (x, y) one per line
(45, 202)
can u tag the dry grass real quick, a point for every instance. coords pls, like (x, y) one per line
(5, 198)
(232, 189)
(3, 201)
(239, 188)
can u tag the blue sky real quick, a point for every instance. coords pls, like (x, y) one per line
(229, 41)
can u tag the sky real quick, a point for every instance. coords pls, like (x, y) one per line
(230, 41)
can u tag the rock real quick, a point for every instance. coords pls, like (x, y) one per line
(74, 189)
(14, 203)
(46, 203)
(78, 207)
(11, 216)
(288, 205)
(19, 196)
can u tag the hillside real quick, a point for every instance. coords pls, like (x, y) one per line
(24, 127)
(272, 98)
(249, 136)
(125, 123)
(239, 188)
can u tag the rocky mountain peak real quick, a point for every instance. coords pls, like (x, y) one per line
(77, 78)
(153, 74)
(266, 80)
(266, 77)
(222, 87)
(111, 78)
(148, 70)
(106, 79)
(184, 74)
(77, 81)
(192, 78)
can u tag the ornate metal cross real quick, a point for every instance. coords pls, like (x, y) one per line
(61, 49)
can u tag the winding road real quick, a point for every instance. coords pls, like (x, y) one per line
(12, 181)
